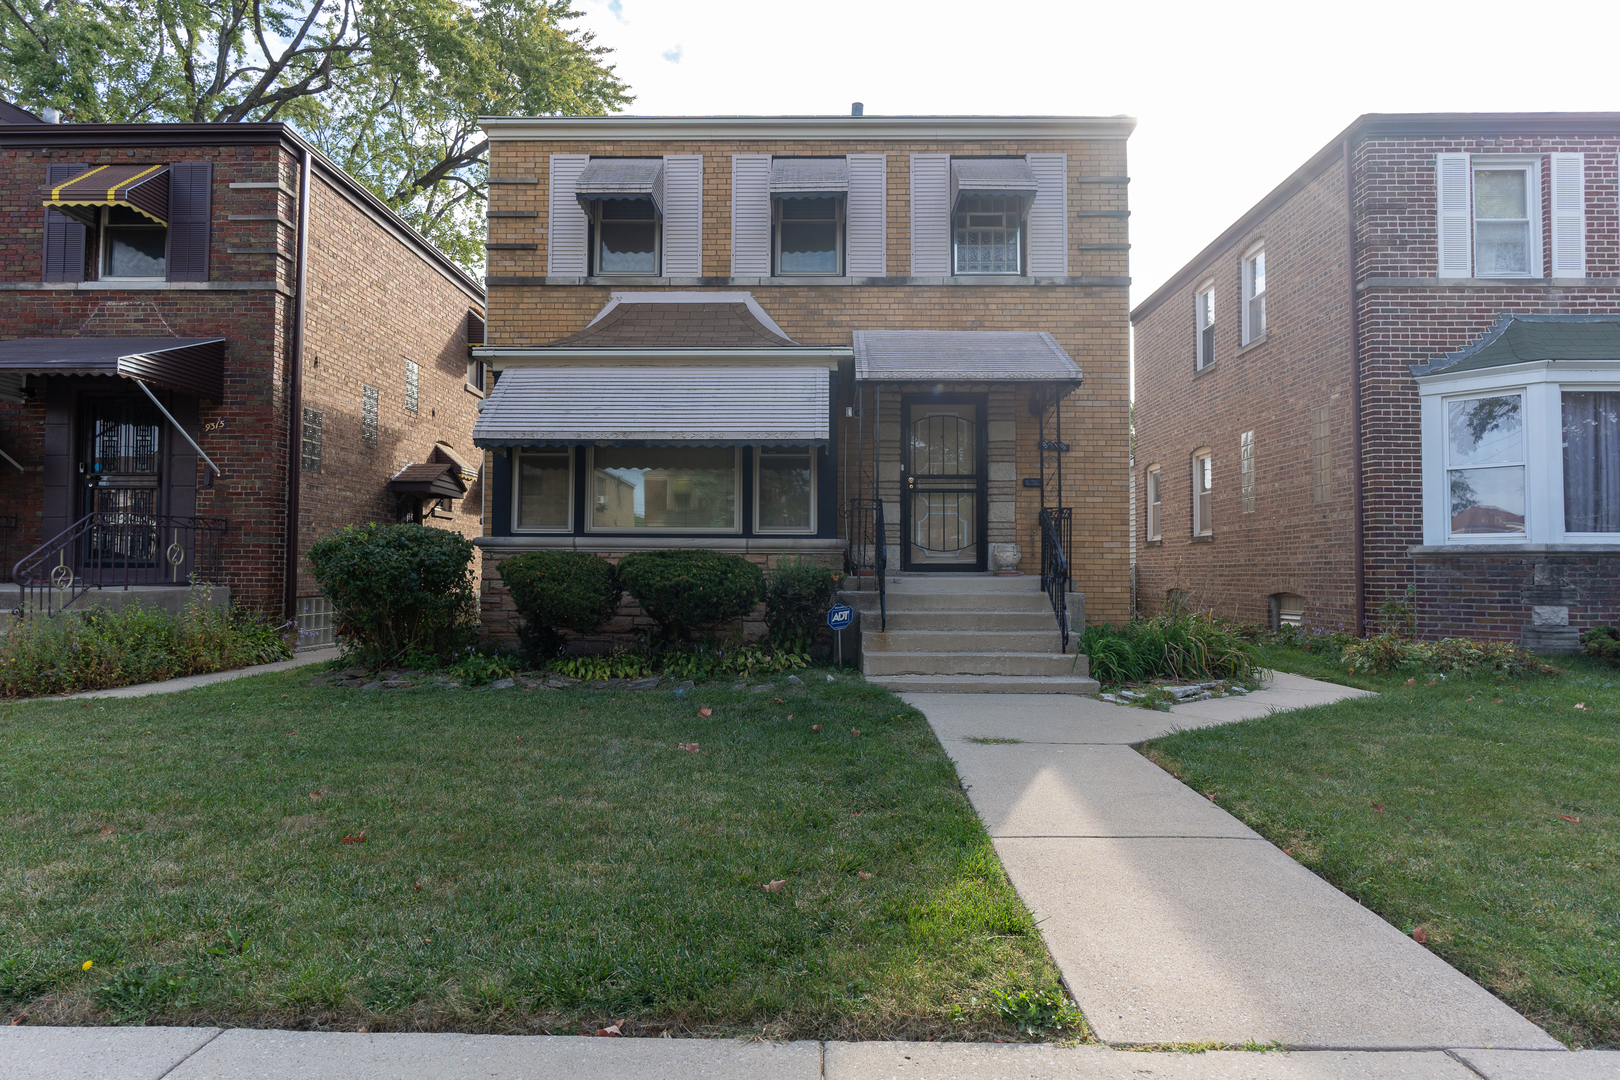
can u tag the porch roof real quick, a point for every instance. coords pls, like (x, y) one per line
(190, 365)
(962, 356)
(716, 320)
(694, 406)
(438, 479)
(1523, 339)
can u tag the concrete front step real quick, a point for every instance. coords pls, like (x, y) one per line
(960, 583)
(942, 601)
(898, 640)
(988, 684)
(1027, 621)
(876, 662)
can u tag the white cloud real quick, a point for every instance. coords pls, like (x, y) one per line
(673, 55)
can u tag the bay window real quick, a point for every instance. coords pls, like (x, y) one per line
(1485, 464)
(1591, 437)
(664, 488)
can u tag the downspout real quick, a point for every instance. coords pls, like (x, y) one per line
(295, 392)
(1356, 499)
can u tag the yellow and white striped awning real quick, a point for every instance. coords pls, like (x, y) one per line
(142, 188)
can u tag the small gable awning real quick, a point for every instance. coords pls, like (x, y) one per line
(809, 177)
(1522, 339)
(665, 406)
(622, 178)
(433, 480)
(142, 188)
(962, 356)
(992, 176)
(190, 365)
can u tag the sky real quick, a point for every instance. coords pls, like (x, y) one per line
(1229, 99)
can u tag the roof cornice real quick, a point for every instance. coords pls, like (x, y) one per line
(503, 356)
(843, 128)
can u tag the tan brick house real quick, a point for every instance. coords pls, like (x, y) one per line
(773, 333)
(1395, 381)
(217, 348)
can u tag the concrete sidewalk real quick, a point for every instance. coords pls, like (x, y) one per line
(174, 686)
(247, 1054)
(1171, 920)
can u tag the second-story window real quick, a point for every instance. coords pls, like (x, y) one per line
(626, 237)
(809, 236)
(1254, 295)
(132, 244)
(987, 235)
(1204, 318)
(1502, 221)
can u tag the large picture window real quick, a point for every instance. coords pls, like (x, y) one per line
(666, 488)
(785, 490)
(543, 482)
(1591, 436)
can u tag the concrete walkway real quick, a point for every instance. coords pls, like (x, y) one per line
(174, 686)
(245, 1054)
(1171, 920)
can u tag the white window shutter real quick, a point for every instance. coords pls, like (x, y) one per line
(683, 215)
(866, 217)
(1454, 209)
(750, 215)
(1049, 216)
(930, 215)
(565, 221)
(1568, 215)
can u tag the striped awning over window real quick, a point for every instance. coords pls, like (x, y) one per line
(700, 406)
(986, 176)
(809, 176)
(622, 178)
(142, 188)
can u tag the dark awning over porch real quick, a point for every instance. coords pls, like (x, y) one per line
(432, 480)
(190, 365)
(975, 356)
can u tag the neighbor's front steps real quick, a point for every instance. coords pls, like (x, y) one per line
(966, 633)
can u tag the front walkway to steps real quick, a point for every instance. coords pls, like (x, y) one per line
(969, 633)
(1175, 923)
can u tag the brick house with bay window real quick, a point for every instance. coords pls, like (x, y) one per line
(1395, 383)
(215, 348)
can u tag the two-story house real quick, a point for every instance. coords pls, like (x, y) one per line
(1392, 388)
(854, 339)
(217, 348)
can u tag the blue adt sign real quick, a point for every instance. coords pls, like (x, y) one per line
(839, 616)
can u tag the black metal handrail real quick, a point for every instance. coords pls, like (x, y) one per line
(110, 549)
(868, 552)
(1057, 526)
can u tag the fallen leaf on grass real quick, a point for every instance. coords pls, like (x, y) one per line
(790, 716)
(316, 796)
(106, 832)
(815, 727)
(1566, 817)
(855, 731)
(1377, 808)
(18, 1019)
(1470, 697)
(863, 875)
(1581, 705)
(1287, 852)
(774, 886)
(705, 711)
(520, 738)
(1210, 795)
(1411, 682)
(417, 885)
(611, 1031)
(1420, 935)
(689, 747)
(1497, 700)
(359, 838)
(292, 732)
(779, 701)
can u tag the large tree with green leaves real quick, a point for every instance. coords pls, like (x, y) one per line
(390, 89)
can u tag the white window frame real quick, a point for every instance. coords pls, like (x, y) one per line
(1154, 483)
(517, 473)
(1200, 527)
(1203, 303)
(1246, 271)
(840, 233)
(736, 507)
(1531, 164)
(1246, 466)
(1542, 383)
(104, 237)
(596, 244)
(815, 490)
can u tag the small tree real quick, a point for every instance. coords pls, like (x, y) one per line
(397, 588)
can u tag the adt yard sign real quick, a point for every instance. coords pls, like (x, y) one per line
(839, 616)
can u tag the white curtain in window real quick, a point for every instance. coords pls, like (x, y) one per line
(1591, 461)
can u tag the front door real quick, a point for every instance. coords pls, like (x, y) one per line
(942, 470)
(120, 466)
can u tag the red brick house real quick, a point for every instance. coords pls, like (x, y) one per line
(1395, 382)
(218, 348)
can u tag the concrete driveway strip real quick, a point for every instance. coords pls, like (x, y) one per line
(96, 1053)
(1531, 1065)
(245, 1054)
(980, 1061)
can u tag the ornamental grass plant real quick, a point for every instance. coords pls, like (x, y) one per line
(1190, 645)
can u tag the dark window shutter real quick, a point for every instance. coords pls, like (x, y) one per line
(64, 237)
(190, 210)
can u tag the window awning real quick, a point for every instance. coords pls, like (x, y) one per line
(622, 178)
(190, 365)
(433, 480)
(992, 176)
(666, 406)
(899, 356)
(142, 188)
(810, 177)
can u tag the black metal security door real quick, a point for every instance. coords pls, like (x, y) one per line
(121, 468)
(942, 471)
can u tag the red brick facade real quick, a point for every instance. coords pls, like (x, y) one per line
(1405, 314)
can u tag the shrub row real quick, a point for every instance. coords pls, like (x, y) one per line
(1383, 653)
(1182, 646)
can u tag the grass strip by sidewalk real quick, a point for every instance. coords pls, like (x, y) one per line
(516, 861)
(1484, 814)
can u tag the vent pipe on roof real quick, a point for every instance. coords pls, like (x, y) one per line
(857, 109)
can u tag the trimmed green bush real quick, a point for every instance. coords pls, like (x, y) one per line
(560, 590)
(797, 595)
(683, 590)
(1602, 642)
(395, 588)
(1190, 646)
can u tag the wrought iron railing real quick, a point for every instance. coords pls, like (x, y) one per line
(118, 549)
(868, 552)
(1057, 529)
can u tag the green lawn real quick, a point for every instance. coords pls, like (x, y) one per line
(533, 861)
(1449, 808)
